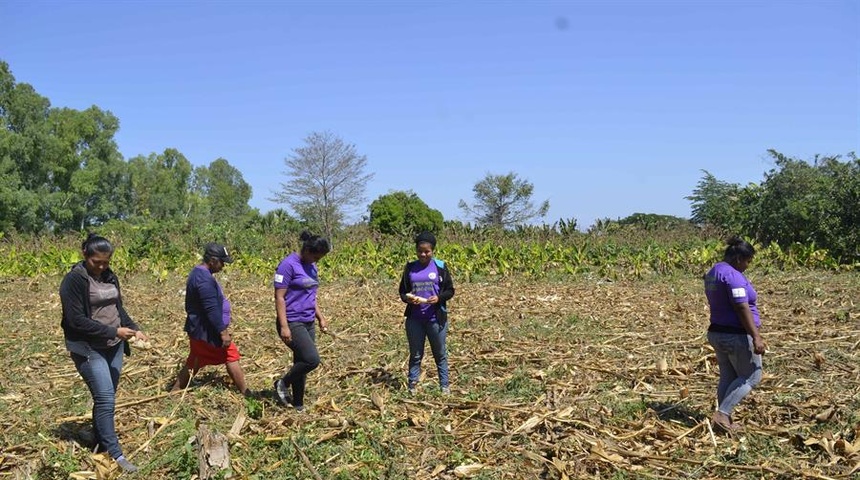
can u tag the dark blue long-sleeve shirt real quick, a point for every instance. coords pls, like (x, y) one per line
(204, 303)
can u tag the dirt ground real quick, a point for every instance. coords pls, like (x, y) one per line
(582, 378)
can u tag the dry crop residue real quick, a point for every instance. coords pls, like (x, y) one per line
(550, 379)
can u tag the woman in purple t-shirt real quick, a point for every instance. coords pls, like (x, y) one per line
(425, 288)
(734, 329)
(296, 283)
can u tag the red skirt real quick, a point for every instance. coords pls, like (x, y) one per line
(204, 353)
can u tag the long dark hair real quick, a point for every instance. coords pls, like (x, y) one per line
(737, 249)
(314, 243)
(95, 243)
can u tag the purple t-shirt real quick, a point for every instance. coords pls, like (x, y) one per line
(724, 285)
(301, 282)
(226, 306)
(425, 283)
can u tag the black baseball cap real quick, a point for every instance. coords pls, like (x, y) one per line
(216, 250)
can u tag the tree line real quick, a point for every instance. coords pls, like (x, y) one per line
(61, 170)
(810, 203)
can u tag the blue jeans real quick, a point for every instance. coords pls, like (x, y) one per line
(416, 331)
(305, 359)
(740, 368)
(100, 370)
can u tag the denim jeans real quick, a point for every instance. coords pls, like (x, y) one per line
(740, 368)
(100, 370)
(418, 330)
(305, 358)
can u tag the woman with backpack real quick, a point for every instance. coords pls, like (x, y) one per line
(425, 288)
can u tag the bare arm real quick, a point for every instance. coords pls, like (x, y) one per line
(748, 322)
(321, 319)
(281, 312)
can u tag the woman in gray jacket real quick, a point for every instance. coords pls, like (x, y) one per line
(96, 328)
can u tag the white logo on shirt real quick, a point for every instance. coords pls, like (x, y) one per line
(739, 293)
(431, 276)
(279, 278)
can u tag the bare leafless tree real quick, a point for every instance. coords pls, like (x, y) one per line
(327, 179)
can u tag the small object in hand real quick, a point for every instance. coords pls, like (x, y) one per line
(416, 297)
(138, 343)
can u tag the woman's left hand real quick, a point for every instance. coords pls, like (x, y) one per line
(141, 336)
(433, 300)
(125, 333)
(323, 325)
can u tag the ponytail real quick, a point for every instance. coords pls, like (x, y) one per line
(95, 243)
(737, 249)
(314, 243)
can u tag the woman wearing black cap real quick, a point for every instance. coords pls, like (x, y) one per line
(207, 321)
(425, 287)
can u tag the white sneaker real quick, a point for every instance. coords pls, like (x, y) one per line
(281, 394)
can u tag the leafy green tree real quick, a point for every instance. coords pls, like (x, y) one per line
(503, 201)
(326, 179)
(277, 220)
(403, 213)
(729, 207)
(222, 191)
(23, 114)
(18, 206)
(61, 166)
(96, 186)
(812, 202)
(713, 201)
(160, 185)
(845, 196)
(654, 221)
(798, 202)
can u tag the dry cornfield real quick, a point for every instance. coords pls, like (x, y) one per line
(583, 378)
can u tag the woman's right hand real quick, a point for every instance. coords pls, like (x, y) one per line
(759, 345)
(226, 338)
(286, 335)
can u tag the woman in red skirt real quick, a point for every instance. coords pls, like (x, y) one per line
(207, 321)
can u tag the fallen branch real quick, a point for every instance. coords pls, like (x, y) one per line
(306, 461)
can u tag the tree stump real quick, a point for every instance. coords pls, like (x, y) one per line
(213, 453)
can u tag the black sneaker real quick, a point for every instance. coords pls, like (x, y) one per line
(281, 394)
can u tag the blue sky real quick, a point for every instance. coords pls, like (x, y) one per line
(607, 107)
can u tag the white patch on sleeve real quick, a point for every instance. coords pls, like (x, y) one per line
(739, 293)
(279, 278)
